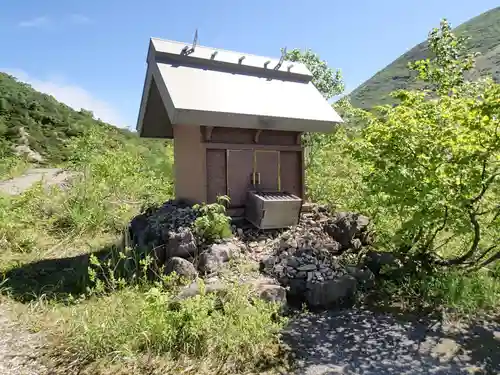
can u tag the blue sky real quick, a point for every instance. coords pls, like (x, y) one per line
(92, 53)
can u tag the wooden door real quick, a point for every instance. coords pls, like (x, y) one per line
(239, 175)
(291, 177)
(267, 168)
(216, 174)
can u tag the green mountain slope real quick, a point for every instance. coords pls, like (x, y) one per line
(484, 33)
(30, 120)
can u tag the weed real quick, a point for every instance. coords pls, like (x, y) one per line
(120, 320)
(212, 222)
(453, 291)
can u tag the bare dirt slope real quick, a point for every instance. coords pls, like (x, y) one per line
(49, 176)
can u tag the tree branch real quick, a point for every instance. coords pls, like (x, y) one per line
(491, 260)
(439, 229)
(474, 245)
(486, 184)
(483, 255)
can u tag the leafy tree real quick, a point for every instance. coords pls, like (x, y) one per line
(329, 83)
(434, 160)
(450, 63)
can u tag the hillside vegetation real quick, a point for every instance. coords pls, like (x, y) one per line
(45, 131)
(484, 34)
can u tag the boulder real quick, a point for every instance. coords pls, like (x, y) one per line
(272, 293)
(269, 290)
(215, 256)
(181, 267)
(268, 263)
(365, 277)
(331, 293)
(346, 226)
(138, 230)
(193, 289)
(375, 260)
(297, 287)
(180, 244)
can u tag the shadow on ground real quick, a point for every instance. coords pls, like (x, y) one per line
(358, 341)
(54, 278)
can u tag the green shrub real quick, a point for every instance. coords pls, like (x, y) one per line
(212, 222)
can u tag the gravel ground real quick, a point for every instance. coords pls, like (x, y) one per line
(19, 349)
(363, 342)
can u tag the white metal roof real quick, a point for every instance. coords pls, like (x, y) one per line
(222, 90)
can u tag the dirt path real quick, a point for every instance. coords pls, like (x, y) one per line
(363, 342)
(19, 349)
(50, 176)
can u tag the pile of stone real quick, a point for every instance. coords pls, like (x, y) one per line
(157, 225)
(308, 259)
(165, 233)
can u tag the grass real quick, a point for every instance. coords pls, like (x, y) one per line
(228, 337)
(456, 293)
(11, 166)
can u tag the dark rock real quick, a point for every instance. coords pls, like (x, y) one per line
(284, 280)
(301, 275)
(331, 292)
(181, 244)
(297, 288)
(307, 267)
(375, 260)
(345, 226)
(213, 258)
(304, 252)
(137, 230)
(292, 262)
(356, 244)
(181, 267)
(159, 229)
(364, 276)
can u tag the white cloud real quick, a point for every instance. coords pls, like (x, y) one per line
(43, 21)
(79, 19)
(72, 95)
(35, 22)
